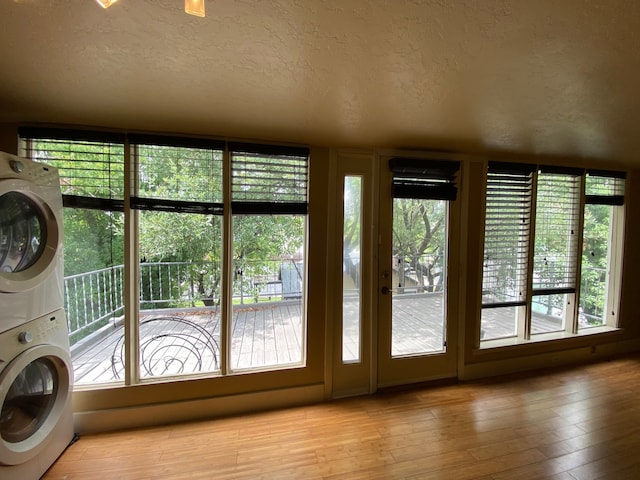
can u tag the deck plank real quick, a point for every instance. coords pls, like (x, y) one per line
(263, 335)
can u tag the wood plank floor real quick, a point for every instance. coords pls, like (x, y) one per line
(579, 423)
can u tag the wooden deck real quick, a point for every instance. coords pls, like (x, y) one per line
(176, 342)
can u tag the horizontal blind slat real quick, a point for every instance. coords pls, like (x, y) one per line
(506, 244)
(261, 177)
(178, 173)
(556, 240)
(88, 168)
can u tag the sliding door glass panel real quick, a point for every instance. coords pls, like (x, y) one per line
(556, 233)
(180, 279)
(351, 269)
(555, 251)
(180, 248)
(595, 258)
(268, 284)
(548, 313)
(93, 290)
(499, 323)
(419, 276)
(506, 248)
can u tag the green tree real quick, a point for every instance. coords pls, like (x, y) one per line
(352, 208)
(93, 237)
(418, 240)
(595, 252)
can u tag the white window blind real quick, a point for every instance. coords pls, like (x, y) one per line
(268, 179)
(556, 230)
(90, 164)
(178, 174)
(605, 187)
(507, 225)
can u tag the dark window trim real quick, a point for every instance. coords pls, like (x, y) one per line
(165, 205)
(424, 178)
(36, 133)
(93, 203)
(238, 148)
(269, 208)
(175, 141)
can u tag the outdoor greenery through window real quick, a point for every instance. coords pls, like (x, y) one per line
(352, 269)
(541, 274)
(193, 316)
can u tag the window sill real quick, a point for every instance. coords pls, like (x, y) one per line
(544, 337)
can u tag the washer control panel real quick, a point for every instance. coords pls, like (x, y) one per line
(49, 329)
(12, 166)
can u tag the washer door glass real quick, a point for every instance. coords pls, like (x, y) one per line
(29, 401)
(22, 232)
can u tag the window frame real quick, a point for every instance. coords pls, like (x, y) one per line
(131, 204)
(523, 334)
(617, 202)
(239, 204)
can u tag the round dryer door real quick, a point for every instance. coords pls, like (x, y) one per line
(34, 392)
(29, 237)
(24, 232)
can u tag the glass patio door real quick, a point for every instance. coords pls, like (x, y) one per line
(418, 231)
(393, 272)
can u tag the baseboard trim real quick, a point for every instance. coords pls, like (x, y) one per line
(552, 359)
(97, 421)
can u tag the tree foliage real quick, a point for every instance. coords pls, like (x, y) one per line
(419, 241)
(595, 253)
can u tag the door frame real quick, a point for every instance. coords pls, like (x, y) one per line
(352, 378)
(429, 366)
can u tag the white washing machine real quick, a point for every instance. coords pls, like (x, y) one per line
(36, 421)
(31, 266)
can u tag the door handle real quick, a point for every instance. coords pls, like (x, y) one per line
(385, 290)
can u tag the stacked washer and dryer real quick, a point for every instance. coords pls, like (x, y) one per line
(36, 422)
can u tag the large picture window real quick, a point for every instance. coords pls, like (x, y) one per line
(91, 169)
(269, 206)
(552, 251)
(179, 196)
(219, 248)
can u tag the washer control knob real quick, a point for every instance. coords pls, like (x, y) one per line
(25, 337)
(17, 166)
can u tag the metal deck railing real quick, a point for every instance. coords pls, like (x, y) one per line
(92, 299)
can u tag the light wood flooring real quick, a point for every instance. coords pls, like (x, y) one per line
(574, 423)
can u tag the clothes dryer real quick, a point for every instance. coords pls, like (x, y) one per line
(36, 421)
(31, 267)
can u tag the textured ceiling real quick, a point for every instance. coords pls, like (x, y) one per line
(553, 77)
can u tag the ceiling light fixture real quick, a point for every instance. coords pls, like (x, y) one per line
(106, 3)
(192, 7)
